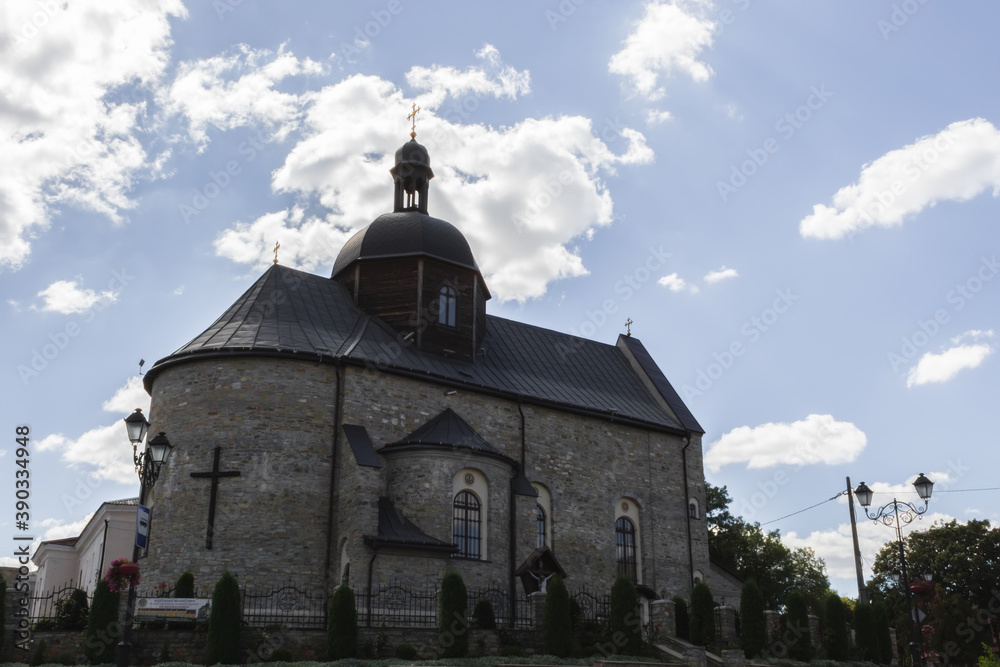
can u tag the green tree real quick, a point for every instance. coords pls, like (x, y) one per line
(556, 623)
(626, 624)
(71, 612)
(702, 615)
(454, 630)
(342, 625)
(866, 630)
(797, 627)
(882, 634)
(184, 588)
(835, 639)
(103, 628)
(753, 624)
(483, 615)
(223, 642)
(682, 622)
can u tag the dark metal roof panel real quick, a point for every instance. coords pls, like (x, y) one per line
(396, 530)
(361, 445)
(662, 385)
(448, 429)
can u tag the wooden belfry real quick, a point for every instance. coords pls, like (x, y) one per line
(214, 475)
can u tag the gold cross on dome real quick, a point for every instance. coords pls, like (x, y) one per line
(276, 246)
(628, 327)
(413, 117)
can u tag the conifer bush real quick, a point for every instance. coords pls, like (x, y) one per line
(557, 621)
(626, 623)
(866, 633)
(223, 642)
(342, 625)
(797, 627)
(184, 588)
(103, 629)
(483, 615)
(454, 630)
(753, 624)
(38, 657)
(682, 622)
(835, 637)
(71, 612)
(882, 635)
(702, 615)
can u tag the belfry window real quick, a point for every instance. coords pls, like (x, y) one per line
(625, 547)
(467, 524)
(447, 305)
(539, 526)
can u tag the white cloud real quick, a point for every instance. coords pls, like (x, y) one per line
(130, 396)
(722, 273)
(674, 283)
(816, 439)
(67, 297)
(65, 134)
(655, 117)
(520, 194)
(497, 80)
(669, 38)
(956, 164)
(946, 365)
(227, 92)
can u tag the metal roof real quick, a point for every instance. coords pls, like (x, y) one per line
(450, 430)
(291, 313)
(396, 530)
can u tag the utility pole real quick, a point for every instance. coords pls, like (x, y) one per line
(862, 595)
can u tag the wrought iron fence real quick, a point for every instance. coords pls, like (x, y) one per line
(44, 609)
(290, 606)
(593, 607)
(516, 616)
(396, 605)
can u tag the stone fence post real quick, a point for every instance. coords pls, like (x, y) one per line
(727, 625)
(814, 630)
(663, 618)
(772, 621)
(537, 601)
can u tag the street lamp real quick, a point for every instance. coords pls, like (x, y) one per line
(147, 467)
(897, 514)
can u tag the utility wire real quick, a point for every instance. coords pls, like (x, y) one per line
(805, 510)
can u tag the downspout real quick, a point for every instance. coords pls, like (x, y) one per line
(333, 469)
(104, 544)
(371, 567)
(511, 583)
(687, 512)
(652, 511)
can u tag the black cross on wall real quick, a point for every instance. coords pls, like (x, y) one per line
(214, 475)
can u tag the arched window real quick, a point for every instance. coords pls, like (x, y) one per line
(540, 531)
(693, 509)
(467, 524)
(625, 547)
(447, 305)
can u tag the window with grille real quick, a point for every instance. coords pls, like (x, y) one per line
(539, 526)
(447, 305)
(625, 547)
(467, 524)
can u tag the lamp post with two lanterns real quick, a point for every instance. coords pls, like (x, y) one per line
(897, 514)
(147, 466)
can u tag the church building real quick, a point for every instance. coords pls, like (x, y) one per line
(378, 425)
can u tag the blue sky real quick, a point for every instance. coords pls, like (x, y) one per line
(794, 202)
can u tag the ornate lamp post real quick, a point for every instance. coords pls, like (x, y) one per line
(147, 466)
(897, 514)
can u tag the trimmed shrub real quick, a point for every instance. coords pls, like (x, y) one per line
(281, 655)
(406, 652)
(753, 625)
(184, 588)
(866, 633)
(626, 623)
(702, 615)
(38, 657)
(512, 651)
(882, 636)
(164, 653)
(797, 627)
(682, 622)
(454, 630)
(342, 628)
(557, 624)
(223, 642)
(483, 615)
(835, 638)
(103, 628)
(71, 612)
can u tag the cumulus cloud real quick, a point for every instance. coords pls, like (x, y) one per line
(236, 90)
(956, 164)
(946, 365)
(719, 274)
(669, 38)
(102, 451)
(495, 80)
(68, 297)
(655, 117)
(68, 118)
(815, 439)
(521, 194)
(675, 283)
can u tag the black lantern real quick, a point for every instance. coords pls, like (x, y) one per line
(136, 425)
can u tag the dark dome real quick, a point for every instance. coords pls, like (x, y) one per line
(407, 233)
(411, 151)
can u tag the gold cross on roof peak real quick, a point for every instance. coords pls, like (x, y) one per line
(276, 246)
(413, 117)
(628, 327)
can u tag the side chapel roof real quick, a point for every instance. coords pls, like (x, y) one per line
(294, 314)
